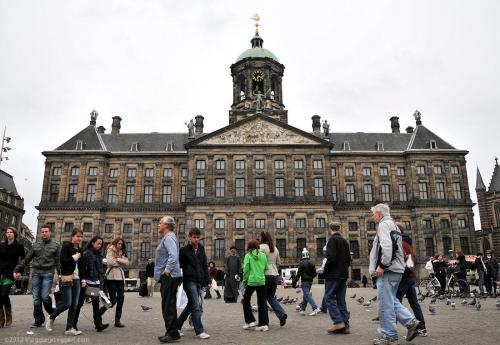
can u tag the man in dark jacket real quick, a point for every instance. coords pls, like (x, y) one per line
(481, 271)
(193, 262)
(492, 272)
(150, 273)
(338, 259)
(306, 273)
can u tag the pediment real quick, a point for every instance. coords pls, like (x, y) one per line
(260, 131)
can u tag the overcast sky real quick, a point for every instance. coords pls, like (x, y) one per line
(159, 63)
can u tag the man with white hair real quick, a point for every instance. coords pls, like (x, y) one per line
(387, 264)
(168, 272)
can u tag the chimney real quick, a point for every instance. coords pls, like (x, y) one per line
(409, 129)
(198, 126)
(115, 126)
(101, 129)
(394, 124)
(316, 123)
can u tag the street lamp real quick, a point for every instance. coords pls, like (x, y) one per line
(4, 148)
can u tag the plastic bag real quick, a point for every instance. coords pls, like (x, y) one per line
(410, 264)
(182, 299)
(429, 267)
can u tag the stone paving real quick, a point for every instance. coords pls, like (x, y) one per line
(464, 325)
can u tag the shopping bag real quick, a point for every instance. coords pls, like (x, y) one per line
(182, 299)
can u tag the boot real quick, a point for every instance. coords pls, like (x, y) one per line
(2, 318)
(8, 316)
(218, 294)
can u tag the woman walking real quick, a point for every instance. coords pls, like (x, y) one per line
(69, 282)
(91, 277)
(272, 275)
(254, 268)
(116, 259)
(11, 252)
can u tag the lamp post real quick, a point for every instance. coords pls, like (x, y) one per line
(4, 147)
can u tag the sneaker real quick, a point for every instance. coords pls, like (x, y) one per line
(264, 328)
(315, 312)
(180, 333)
(386, 341)
(73, 331)
(302, 312)
(36, 325)
(202, 335)
(249, 325)
(422, 333)
(49, 324)
(412, 330)
(298, 308)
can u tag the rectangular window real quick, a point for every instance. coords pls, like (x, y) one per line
(199, 223)
(281, 245)
(56, 171)
(318, 187)
(92, 171)
(220, 187)
(200, 187)
(131, 172)
(438, 170)
(146, 228)
(68, 227)
(239, 164)
(260, 223)
(220, 223)
(90, 193)
(127, 228)
(422, 191)
(350, 193)
(52, 226)
(280, 223)
(427, 224)
(446, 245)
(75, 171)
(149, 172)
(239, 224)
(320, 243)
(259, 187)
(145, 251)
(420, 170)
(385, 192)
(429, 247)
(54, 192)
(219, 249)
(279, 186)
(301, 244)
(461, 223)
(279, 164)
(457, 193)
(349, 172)
(182, 228)
(334, 192)
(72, 190)
(299, 187)
(317, 164)
(401, 171)
(183, 193)
(240, 247)
(166, 194)
(220, 164)
(333, 172)
(113, 172)
(354, 245)
(167, 172)
(184, 172)
(200, 165)
(403, 195)
(320, 223)
(454, 170)
(367, 171)
(129, 194)
(407, 224)
(298, 164)
(368, 191)
(439, 190)
(87, 227)
(300, 223)
(239, 187)
(371, 226)
(259, 164)
(445, 223)
(148, 194)
(384, 171)
(112, 197)
(109, 228)
(352, 226)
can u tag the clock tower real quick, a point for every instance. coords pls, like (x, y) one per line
(257, 83)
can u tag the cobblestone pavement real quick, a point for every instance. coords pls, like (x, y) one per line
(464, 325)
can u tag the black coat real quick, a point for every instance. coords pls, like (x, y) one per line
(194, 266)
(92, 266)
(68, 264)
(150, 270)
(306, 271)
(338, 258)
(9, 257)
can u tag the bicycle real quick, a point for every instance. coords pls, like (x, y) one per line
(430, 287)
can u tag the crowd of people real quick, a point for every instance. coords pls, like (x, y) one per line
(86, 274)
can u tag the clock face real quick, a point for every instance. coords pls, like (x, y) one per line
(258, 75)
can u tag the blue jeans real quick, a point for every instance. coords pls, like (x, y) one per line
(308, 297)
(481, 282)
(335, 291)
(70, 296)
(193, 306)
(390, 309)
(407, 287)
(41, 283)
(271, 285)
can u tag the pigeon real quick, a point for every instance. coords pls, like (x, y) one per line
(145, 308)
(453, 305)
(286, 300)
(498, 304)
(367, 303)
(353, 296)
(432, 309)
(448, 301)
(464, 302)
(473, 302)
(374, 299)
(294, 300)
(478, 306)
(361, 300)
(433, 300)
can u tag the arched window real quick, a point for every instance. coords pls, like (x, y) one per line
(242, 88)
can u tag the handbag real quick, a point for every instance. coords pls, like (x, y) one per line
(92, 291)
(66, 280)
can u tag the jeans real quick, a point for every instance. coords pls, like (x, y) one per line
(168, 291)
(95, 307)
(308, 297)
(390, 309)
(407, 287)
(41, 284)
(70, 296)
(271, 285)
(481, 282)
(193, 306)
(335, 291)
(116, 290)
(261, 304)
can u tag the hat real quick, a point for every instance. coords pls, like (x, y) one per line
(335, 226)
(305, 253)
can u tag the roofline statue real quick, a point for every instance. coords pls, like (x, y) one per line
(190, 127)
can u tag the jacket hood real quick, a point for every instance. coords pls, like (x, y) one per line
(255, 254)
(407, 239)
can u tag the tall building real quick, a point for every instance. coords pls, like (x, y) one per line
(11, 203)
(488, 200)
(258, 173)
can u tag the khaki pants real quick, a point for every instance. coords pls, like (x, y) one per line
(151, 286)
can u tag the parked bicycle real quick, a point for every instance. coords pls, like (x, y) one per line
(430, 287)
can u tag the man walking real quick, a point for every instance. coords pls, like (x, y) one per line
(150, 273)
(168, 273)
(336, 273)
(44, 258)
(193, 262)
(387, 264)
(306, 273)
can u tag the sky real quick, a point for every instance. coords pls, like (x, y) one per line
(157, 64)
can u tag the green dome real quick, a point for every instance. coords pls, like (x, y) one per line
(257, 53)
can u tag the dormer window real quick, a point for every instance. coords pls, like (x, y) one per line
(433, 144)
(79, 145)
(346, 146)
(380, 146)
(134, 147)
(170, 147)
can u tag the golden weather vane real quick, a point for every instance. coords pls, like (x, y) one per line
(256, 18)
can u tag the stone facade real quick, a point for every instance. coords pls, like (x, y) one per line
(488, 200)
(11, 203)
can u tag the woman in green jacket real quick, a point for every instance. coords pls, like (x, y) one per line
(254, 279)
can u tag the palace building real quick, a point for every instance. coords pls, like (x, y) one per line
(259, 173)
(488, 200)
